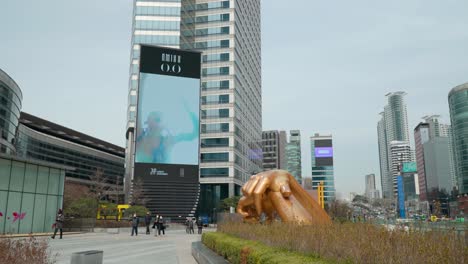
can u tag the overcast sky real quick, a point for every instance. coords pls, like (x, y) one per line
(327, 66)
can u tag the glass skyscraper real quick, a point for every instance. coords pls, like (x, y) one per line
(322, 165)
(293, 154)
(10, 108)
(458, 103)
(229, 37)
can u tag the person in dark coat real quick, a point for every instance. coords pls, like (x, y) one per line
(58, 223)
(156, 224)
(191, 224)
(135, 222)
(161, 225)
(148, 222)
(200, 225)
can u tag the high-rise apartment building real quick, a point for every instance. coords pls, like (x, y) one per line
(322, 165)
(458, 103)
(274, 150)
(393, 126)
(293, 153)
(400, 152)
(228, 34)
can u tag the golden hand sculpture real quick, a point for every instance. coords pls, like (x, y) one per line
(278, 192)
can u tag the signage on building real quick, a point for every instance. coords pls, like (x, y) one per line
(409, 167)
(323, 152)
(167, 132)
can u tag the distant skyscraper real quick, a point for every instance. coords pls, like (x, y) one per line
(293, 153)
(421, 136)
(371, 192)
(458, 102)
(322, 164)
(274, 150)
(393, 126)
(228, 33)
(370, 182)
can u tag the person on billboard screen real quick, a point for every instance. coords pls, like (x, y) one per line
(154, 141)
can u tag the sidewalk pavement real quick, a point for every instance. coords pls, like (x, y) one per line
(174, 247)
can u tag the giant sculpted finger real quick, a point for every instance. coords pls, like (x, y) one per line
(278, 192)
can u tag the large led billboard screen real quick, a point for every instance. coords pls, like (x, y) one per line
(323, 152)
(167, 131)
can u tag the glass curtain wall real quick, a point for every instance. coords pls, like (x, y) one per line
(30, 196)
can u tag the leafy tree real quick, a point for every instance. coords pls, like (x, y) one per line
(360, 199)
(227, 203)
(108, 209)
(139, 210)
(83, 207)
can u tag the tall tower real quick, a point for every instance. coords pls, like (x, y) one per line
(293, 153)
(393, 126)
(322, 164)
(430, 136)
(274, 148)
(228, 33)
(421, 136)
(370, 184)
(458, 102)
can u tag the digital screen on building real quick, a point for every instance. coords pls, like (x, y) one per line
(409, 167)
(323, 152)
(167, 131)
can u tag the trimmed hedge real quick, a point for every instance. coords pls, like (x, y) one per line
(242, 251)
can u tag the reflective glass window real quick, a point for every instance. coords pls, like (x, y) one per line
(214, 172)
(214, 142)
(215, 157)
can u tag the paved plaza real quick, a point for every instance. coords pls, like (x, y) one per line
(174, 247)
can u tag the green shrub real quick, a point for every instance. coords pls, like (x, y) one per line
(108, 210)
(139, 210)
(237, 250)
(83, 207)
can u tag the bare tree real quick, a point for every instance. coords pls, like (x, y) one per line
(100, 185)
(73, 191)
(118, 187)
(138, 197)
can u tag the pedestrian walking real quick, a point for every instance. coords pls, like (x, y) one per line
(200, 225)
(58, 223)
(148, 222)
(187, 225)
(191, 224)
(135, 222)
(162, 226)
(156, 225)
